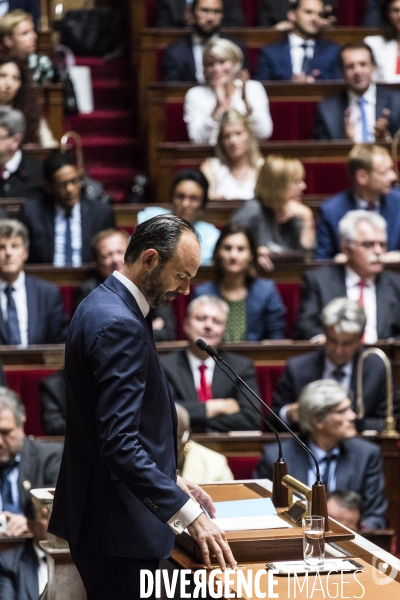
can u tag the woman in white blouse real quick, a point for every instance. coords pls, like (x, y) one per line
(225, 88)
(386, 47)
(233, 173)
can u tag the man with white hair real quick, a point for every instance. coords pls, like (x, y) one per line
(211, 399)
(363, 241)
(326, 420)
(343, 321)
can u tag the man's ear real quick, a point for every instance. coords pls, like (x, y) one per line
(361, 177)
(291, 16)
(150, 259)
(8, 42)
(344, 247)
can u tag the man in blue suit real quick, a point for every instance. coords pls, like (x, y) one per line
(301, 56)
(118, 501)
(372, 172)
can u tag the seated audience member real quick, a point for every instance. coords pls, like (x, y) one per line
(32, 310)
(224, 88)
(189, 196)
(213, 402)
(373, 13)
(256, 311)
(372, 172)
(21, 176)
(343, 324)
(31, 463)
(16, 91)
(277, 217)
(178, 13)
(364, 112)
(108, 248)
(19, 38)
(183, 61)
(23, 569)
(302, 55)
(63, 221)
(274, 14)
(345, 507)
(232, 174)
(386, 45)
(363, 242)
(196, 462)
(326, 421)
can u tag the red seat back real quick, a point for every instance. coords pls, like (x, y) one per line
(351, 13)
(290, 294)
(242, 467)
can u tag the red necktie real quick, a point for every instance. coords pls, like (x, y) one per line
(204, 392)
(362, 285)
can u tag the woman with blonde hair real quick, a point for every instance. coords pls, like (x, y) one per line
(279, 220)
(233, 172)
(226, 87)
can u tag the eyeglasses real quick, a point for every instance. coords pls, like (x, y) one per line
(341, 411)
(182, 197)
(62, 185)
(372, 244)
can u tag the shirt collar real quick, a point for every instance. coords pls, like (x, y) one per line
(363, 204)
(136, 293)
(319, 453)
(369, 95)
(17, 285)
(195, 362)
(296, 40)
(60, 210)
(352, 279)
(39, 553)
(332, 367)
(199, 41)
(12, 165)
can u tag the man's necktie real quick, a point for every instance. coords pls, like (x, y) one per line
(364, 125)
(338, 374)
(204, 393)
(5, 489)
(68, 241)
(327, 461)
(14, 335)
(306, 66)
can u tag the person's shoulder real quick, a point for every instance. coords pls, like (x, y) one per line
(393, 198)
(41, 448)
(151, 211)
(252, 208)
(322, 274)
(198, 92)
(253, 86)
(362, 447)
(54, 378)
(236, 359)
(330, 102)
(261, 285)
(327, 45)
(171, 359)
(375, 41)
(36, 283)
(274, 48)
(28, 162)
(386, 92)
(180, 47)
(207, 287)
(390, 277)
(37, 203)
(336, 201)
(204, 228)
(296, 362)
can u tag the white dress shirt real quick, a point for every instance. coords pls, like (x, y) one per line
(370, 112)
(60, 227)
(297, 51)
(12, 165)
(320, 455)
(200, 102)
(21, 304)
(330, 368)
(195, 363)
(42, 569)
(363, 205)
(190, 510)
(353, 292)
(386, 53)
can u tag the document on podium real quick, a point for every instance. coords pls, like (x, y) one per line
(240, 515)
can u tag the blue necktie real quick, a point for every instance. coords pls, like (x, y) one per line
(364, 126)
(306, 66)
(5, 490)
(14, 335)
(327, 460)
(68, 241)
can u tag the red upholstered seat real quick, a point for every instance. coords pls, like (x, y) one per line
(268, 377)
(242, 467)
(326, 177)
(67, 293)
(292, 120)
(175, 126)
(151, 13)
(351, 12)
(290, 294)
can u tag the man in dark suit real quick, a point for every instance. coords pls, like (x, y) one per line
(364, 112)
(372, 172)
(24, 463)
(373, 13)
(362, 278)
(343, 321)
(177, 13)
(346, 463)
(120, 445)
(302, 55)
(32, 310)
(183, 61)
(274, 14)
(213, 403)
(23, 570)
(62, 222)
(20, 175)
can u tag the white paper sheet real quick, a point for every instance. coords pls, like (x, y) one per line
(243, 523)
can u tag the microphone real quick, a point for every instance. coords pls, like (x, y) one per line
(318, 489)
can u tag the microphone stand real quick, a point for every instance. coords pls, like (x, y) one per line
(318, 501)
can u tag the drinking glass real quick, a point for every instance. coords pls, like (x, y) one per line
(314, 542)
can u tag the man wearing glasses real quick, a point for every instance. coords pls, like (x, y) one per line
(63, 221)
(363, 242)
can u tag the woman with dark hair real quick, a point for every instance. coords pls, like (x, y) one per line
(189, 196)
(256, 311)
(386, 47)
(16, 91)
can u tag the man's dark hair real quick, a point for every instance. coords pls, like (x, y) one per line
(55, 161)
(192, 175)
(195, 3)
(346, 499)
(162, 233)
(356, 46)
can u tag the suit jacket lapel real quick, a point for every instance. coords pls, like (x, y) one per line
(33, 309)
(27, 472)
(342, 470)
(380, 101)
(383, 304)
(186, 382)
(3, 329)
(49, 216)
(86, 229)
(286, 59)
(28, 573)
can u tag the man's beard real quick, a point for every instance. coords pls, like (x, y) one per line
(153, 290)
(206, 33)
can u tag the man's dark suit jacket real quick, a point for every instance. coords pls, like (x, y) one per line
(171, 13)
(372, 13)
(302, 370)
(25, 182)
(359, 468)
(320, 286)
(183, 391)
(333, 209)
(19, 573)
(116, 489)
(329, 116)
(275, 63)
(178, 61)
(272, 12)
(47, 320)
(53, 398)
(38, 214)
